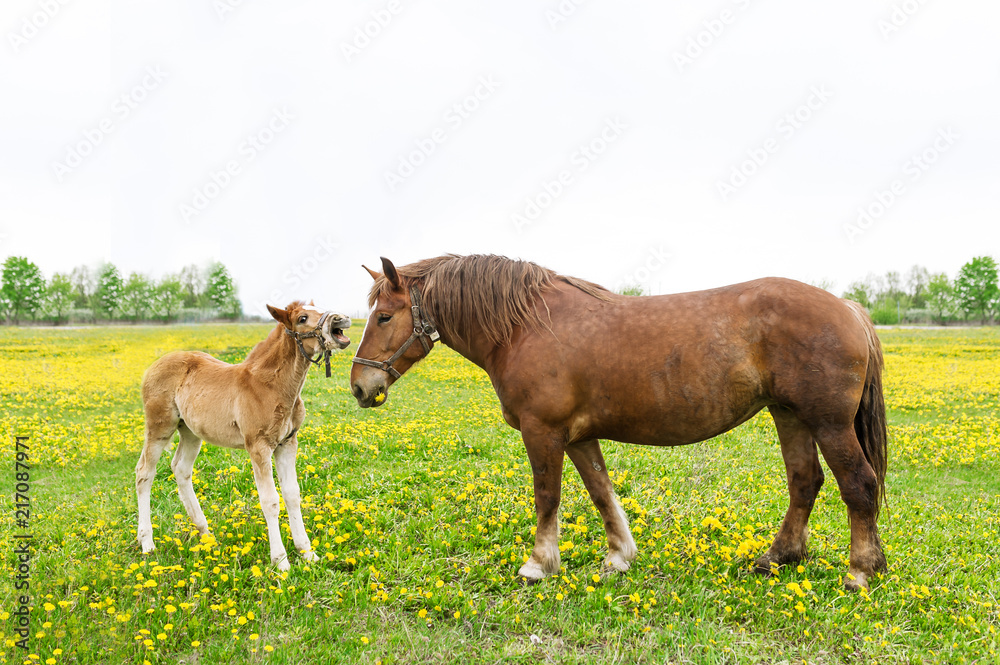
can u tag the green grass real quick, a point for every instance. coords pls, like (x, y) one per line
(434, 487)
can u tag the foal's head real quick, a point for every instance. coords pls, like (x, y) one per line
(316, 329)
(392, 342)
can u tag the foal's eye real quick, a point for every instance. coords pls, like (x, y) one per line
(303, 319)
(382, 318)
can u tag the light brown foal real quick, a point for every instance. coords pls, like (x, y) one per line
(255, 405)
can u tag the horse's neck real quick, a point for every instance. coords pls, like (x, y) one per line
(474, 347)
(277, 360)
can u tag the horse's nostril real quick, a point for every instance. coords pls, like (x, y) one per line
(356, 389)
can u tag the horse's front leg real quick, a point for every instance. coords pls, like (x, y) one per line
(545, 452)
(589, 461)
(260, 457)
(284, 460)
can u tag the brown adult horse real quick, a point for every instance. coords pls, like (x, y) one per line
(573, 363)
(255, 406)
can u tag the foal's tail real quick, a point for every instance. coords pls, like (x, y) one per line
(870, 422)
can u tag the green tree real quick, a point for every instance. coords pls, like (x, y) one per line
(976, 289)
(59, 296)
(193, 281)
(860, 292)
(893, 286)
(137, 295)
(169, 296)
(940, 296)
(632, 290)
(107, 296)
(916, 282)
(83, 285)
(23, 287)
(221, 291)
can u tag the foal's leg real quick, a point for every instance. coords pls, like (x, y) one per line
(859, 490)
(160, 427)
(589, 461)
(545, 452)
(284, 460)
(805, 478)
(183, 468)
(260, 456)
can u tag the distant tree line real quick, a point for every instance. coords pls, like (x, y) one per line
(924, 297)
(103, 294)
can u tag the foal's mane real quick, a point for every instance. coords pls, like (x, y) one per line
(490, 292)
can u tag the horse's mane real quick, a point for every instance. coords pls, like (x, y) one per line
(492, 292)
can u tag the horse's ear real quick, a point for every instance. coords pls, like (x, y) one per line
(370, 271)
(312, 303)
(389, 271)
(280, 315)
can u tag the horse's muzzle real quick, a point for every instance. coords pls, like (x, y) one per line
(367, 400)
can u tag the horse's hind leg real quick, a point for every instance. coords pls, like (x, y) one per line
(805, 478)
(589, 462)
(284, 462)
(183, 467)
(859, 490)
(161, 423)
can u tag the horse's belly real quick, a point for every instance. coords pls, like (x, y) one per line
(214, 427)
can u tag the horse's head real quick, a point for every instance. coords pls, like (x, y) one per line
(387, 348)
(315, 330)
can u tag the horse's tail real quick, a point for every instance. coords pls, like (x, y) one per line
(870, 422)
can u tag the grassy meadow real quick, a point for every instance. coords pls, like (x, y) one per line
(421, 512)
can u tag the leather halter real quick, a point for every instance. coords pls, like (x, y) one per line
(315, 332)
(423, 330)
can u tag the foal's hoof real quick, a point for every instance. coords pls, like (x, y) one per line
(310, 556)
(282, 564)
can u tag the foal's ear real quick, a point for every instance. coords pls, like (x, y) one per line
(370, 271)
(389, 271)
(280, 315)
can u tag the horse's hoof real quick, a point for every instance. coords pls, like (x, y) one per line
(856, 581)
(282, 564)
(765, 567)
(532, 572)
(310, 556)
(616, 563)
(147, 546)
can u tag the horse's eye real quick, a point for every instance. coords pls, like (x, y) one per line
(382, 318)
(303, 319)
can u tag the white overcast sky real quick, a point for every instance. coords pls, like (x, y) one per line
(904, 96)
